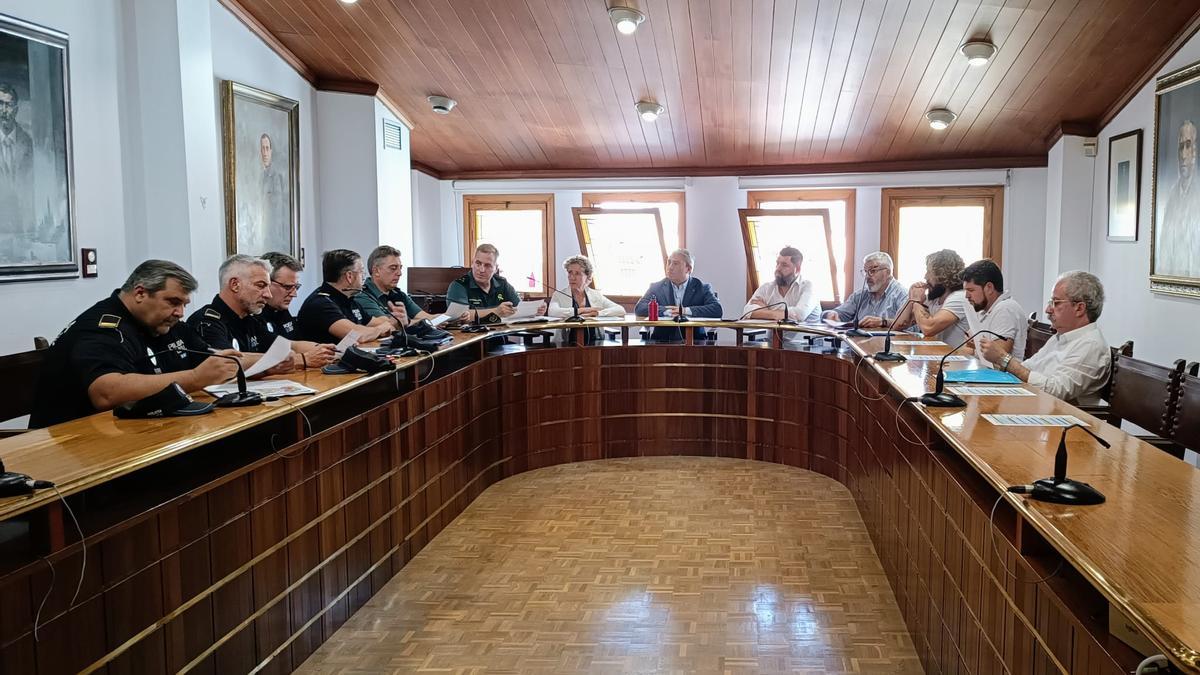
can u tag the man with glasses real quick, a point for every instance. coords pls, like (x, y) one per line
(329, 313)
(381, 294)
(1075, 362)
(878, 301)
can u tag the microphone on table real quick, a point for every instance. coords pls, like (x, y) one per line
(574, 318)
(14, 484)
(855, 331)
(1059, 489)
(887, 354)
(785, 321)
(242, 397)
(939, 398)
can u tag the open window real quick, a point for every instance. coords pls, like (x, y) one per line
(918, 221)
(766, 231)
(670, 205)
(626, 246)
(521, 227)
(841, 205)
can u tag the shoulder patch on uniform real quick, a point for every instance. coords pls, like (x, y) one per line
(323, 293)
(211, 313)
(109, 321)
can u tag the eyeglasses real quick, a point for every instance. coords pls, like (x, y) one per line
(1054, 303)
(870, 271)
(288, 288)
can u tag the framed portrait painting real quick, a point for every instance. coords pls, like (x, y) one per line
(1124, 185)
(37, 214)
(1175, 210)
(261, 138)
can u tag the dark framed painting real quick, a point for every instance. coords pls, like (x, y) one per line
(37, 206)
(1124, 185)
(1175, 194)
(261, 138)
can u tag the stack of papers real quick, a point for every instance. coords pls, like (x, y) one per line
(273, 388)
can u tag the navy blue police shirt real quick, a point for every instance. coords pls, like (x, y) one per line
(325, 307)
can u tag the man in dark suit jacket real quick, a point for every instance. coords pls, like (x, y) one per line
(680, 293)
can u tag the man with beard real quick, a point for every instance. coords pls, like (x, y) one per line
(120, 349)
(939, 308)
(1075, 362)
(329, 313)
(1175, 243)
(234, 318)
(994, 307)
(877, 302)
(787, 289)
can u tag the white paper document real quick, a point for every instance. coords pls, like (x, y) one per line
(274, 388)
(1034, 420)
(990, 391)
(525, 310)
(919, 343)
(279, 350)
(439, 320)
(350, 340)
(455, 310)
(934, 357)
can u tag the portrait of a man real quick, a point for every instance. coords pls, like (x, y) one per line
(261, 200)
(36, 219)
(1175, 260)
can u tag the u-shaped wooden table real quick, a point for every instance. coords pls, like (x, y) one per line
(243, 539)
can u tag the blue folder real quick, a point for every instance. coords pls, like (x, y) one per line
(980, 376)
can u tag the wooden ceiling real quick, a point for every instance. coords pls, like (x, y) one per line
(547, 87)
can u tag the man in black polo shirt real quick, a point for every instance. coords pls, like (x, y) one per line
(381, 296)
(329, 313)
(111, 354)
(488, 296)
(277, 316)
(232, 320)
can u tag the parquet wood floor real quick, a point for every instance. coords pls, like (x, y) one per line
(643, 565)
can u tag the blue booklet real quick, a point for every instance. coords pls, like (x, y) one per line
(980, 376)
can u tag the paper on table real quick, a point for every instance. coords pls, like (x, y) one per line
(524, 311)
(350, 340)
(455, 310)
(439, 320)
(279, 350)
(990, 391)
(1034, 420)
(264, 387)
(934, 357)
(918, 343)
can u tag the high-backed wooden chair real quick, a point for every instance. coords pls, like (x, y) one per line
(18, 372)
(1146, 394)
(1038, 334)
(40, 342)
(1185, 422)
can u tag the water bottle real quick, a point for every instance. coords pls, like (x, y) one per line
(653, 308)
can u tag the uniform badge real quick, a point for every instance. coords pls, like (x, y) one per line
(109, 321)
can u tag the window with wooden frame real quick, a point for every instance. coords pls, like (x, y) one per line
(522, 228)
(918, 221)
(840, 203)
(766, 231)
(670, 207)
(626, 247)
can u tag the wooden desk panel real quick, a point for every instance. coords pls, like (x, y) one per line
(262, 553)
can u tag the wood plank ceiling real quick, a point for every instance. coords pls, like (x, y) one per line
(547, 87)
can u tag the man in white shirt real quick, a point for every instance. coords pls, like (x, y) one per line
(993, 307)
(1075, 362)
(787, 289)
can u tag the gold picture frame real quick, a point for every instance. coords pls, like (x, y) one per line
(262, 175)
(1175, 213)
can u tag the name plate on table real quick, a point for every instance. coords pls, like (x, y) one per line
(919, 343)
(935, 357)
(1034, 420)
(990, 391)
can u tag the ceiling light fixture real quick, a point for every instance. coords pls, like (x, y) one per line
(978, 52)
(649, 110)
(940, 118)
(626, 19)
(349, 2)
(442, 105)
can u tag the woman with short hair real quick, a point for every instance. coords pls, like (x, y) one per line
(591, 302)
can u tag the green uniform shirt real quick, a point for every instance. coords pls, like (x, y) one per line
(465, 291)
(374, 301)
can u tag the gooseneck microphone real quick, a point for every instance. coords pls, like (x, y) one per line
(887, 354)
(855, 331)
(242, 397)
(939, 398)
(1059, 489)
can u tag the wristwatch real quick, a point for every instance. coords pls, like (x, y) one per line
(1004, 362)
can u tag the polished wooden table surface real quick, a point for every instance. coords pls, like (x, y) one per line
(1138, 548)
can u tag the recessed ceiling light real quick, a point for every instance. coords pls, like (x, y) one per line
(626, 19)
(649, 110)
(940, 118)
(978, 52)
(349, 2)
(442, 105)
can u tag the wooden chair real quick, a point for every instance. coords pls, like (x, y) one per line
(1185, 422)
(1146, 394)
(40, 342)
(1038, 334)
(19, 372)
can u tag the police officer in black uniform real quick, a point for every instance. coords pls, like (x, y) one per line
(329, 313)
(231, 320)
(487, 295)
(122, 349)
(285, 285)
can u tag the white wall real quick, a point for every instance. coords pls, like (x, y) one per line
(712, 227)
(393, 169)
(1161, 326)
(96, 53)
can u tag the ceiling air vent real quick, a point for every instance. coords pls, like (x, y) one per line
(391, 135)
